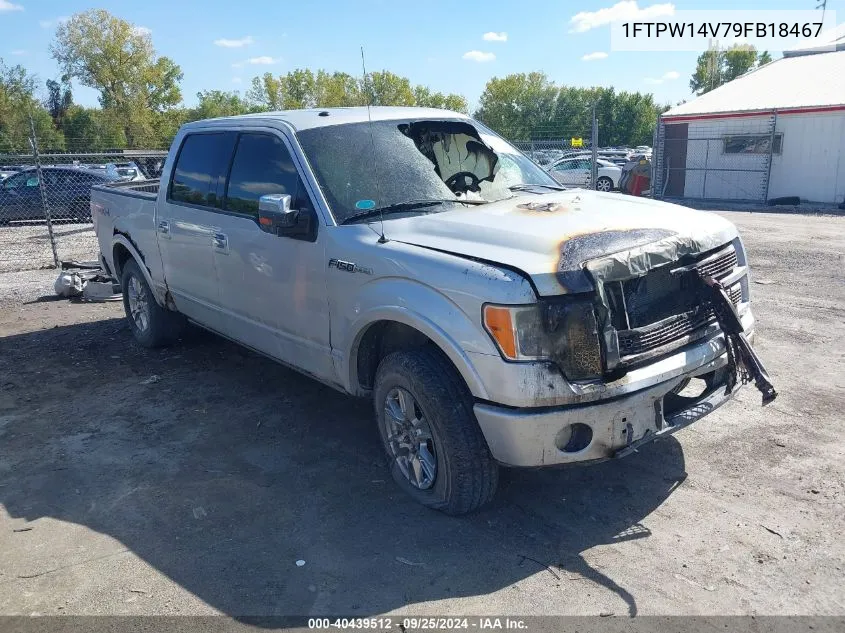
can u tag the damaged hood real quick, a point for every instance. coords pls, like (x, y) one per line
(567, 241)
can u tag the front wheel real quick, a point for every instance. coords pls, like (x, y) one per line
(437, 452)
(604, 184)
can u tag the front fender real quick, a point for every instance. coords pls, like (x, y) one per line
(452, 330)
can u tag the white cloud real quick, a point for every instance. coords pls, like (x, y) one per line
(236, 80)
(48, 24)
(478, 56)
(492, 36)
(142, 30)
(668, 76)
(263, 60)
(244, 41)
(20, 52)
(621, 11)
(597, 55)
(5, 5)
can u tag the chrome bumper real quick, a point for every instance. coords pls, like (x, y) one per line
(529, 437)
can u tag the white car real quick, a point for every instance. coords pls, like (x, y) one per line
(576, 172)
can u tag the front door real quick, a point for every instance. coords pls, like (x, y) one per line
(21, 197)
(273, 287)
(187, 225)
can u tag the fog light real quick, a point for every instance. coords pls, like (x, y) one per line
(573, 438)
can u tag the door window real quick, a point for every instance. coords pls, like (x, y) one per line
(201, 168)
(262, 166)
(20, 180)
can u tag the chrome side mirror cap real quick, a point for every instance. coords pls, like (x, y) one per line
(274, 212)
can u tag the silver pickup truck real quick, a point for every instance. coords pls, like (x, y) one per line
(415, 257)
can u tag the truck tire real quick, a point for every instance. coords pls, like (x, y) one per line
(152, 325)
(437, 452)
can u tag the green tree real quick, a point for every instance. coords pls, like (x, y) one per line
(425, 98)
(387, 89)
(59, 99)
(92, 130)
(218, 103)
(519, 106)
(716, 67)
(17, 105)
(266, 93)
(335, 90)
(111, 55)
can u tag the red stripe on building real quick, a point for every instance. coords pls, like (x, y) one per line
(737, 115)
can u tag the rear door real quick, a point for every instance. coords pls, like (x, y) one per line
(273, 287)
(573, 171)
(187, 224)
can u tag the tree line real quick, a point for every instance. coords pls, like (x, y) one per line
(140, 99)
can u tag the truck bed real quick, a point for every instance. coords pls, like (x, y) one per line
(144, 188)
(127, 208)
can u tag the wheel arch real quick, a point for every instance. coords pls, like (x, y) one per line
(388, 330)
(122, 251)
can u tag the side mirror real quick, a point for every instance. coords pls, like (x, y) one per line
(274, 213)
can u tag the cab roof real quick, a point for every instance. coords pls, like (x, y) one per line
(309, 118)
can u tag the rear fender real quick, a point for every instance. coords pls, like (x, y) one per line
(159, 291)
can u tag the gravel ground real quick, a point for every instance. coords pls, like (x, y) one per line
(191, 480)
(27, 246)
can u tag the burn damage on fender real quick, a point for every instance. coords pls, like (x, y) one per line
(571, 326)
(625, 305)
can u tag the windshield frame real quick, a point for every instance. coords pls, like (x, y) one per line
(304, 143)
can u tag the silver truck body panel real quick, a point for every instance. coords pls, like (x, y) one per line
(287, 299)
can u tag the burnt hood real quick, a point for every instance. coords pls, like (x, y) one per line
(565, 241)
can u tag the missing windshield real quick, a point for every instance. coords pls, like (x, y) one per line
(460, 157)
(365, 166)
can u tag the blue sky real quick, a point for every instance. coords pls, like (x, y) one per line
(440, 43)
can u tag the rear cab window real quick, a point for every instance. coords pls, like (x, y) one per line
(200, 171)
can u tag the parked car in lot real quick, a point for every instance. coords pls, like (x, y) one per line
(577, 172)
(8, 170)
(67, 190)
(121, 171)
(414, 257)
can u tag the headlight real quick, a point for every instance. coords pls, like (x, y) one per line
(562, 330)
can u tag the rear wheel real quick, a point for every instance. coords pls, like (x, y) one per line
(604, 184)
(152, 325)
(437, 452)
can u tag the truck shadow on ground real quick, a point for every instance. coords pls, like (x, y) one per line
(221, 469)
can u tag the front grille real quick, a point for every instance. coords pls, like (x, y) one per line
(659, 311)
(679, 329)
(720, 265)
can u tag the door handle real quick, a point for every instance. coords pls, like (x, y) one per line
(220, 241)
(164, 227)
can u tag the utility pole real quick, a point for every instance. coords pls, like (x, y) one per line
(41, 187)
(594, 142)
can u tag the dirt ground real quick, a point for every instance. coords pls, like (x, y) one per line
(191, 480)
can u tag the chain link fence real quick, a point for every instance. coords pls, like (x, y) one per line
(715, 159)
(45, 215)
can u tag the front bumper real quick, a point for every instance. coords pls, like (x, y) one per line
(531, 437)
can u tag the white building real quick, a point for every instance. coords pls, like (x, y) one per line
(717, 146)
